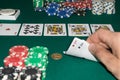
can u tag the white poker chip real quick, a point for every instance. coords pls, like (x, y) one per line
(7, 11)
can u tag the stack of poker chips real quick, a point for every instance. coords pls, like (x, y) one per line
(103, 6)
(97, 7)
(38, 3)
(30, 73)
(9, 73)
(109, 6)
(16, 56)
(31, 63)
(38, 57)
(15, 73)
(65, 9)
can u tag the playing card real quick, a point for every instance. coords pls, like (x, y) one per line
(9, 29)
(79, 48)
(55, 30)
(95, 27)
(31, 30)
(78, 30)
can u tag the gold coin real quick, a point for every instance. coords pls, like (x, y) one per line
(56, 56)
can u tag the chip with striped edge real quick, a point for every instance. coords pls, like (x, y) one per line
(30, 73)
(9, 73)
(14, 61)
(19, 50)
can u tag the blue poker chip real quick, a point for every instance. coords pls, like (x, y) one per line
(39, 9)
(54, 5)
(51, 11)
(71, 10)
(64, 13)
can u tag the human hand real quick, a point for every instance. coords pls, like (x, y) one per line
(105, 45)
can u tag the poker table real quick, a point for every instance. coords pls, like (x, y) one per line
(69, 67)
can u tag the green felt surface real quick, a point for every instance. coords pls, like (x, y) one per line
(69, 67)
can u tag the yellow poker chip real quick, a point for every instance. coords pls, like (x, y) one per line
(7, 11)
(56, 56)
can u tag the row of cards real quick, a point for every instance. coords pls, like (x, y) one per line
(33, 29)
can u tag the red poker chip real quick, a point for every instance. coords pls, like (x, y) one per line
(14, 61)
(21, 51)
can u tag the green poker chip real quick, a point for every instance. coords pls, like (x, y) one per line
(38, 52)
(39, 49)
(38, 3)
(36, 62)
(38, 57)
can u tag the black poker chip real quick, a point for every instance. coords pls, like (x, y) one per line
(80, 12)
(30, 73)
(9, 73)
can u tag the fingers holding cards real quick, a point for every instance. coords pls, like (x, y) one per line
(79, 48)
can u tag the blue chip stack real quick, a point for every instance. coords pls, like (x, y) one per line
(59, 10)
(52, 8)
(65, 12)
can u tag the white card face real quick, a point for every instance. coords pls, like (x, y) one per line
(9, 29)
(79, 30)
(31, 30)
(79, 48)
(55, 30)
(95, 27)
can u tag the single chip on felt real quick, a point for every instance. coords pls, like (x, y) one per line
(56, 56)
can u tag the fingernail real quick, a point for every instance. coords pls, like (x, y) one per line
(92, 48)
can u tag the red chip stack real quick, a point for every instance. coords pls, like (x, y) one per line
(16, 56)
(14, 61)
(21, 51)
(83, 4)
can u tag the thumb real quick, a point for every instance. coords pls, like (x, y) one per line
(105, 56)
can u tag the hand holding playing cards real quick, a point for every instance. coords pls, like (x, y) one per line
(105, 45)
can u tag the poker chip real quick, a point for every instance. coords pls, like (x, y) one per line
(37, 57)
(7, 11)
(54, 5)
(52, 8)
(36, 62)
(51, 11)
(39, 9)
(38, 49)
(38, 3)
(109, 6)
(89, 4)
(56, 56)
(65, 9)
(64, 13)
(9, 73)
(30, 73)
(97, 7)
(43, 75)
(20, 50)
(14, 61)
(80, 12)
